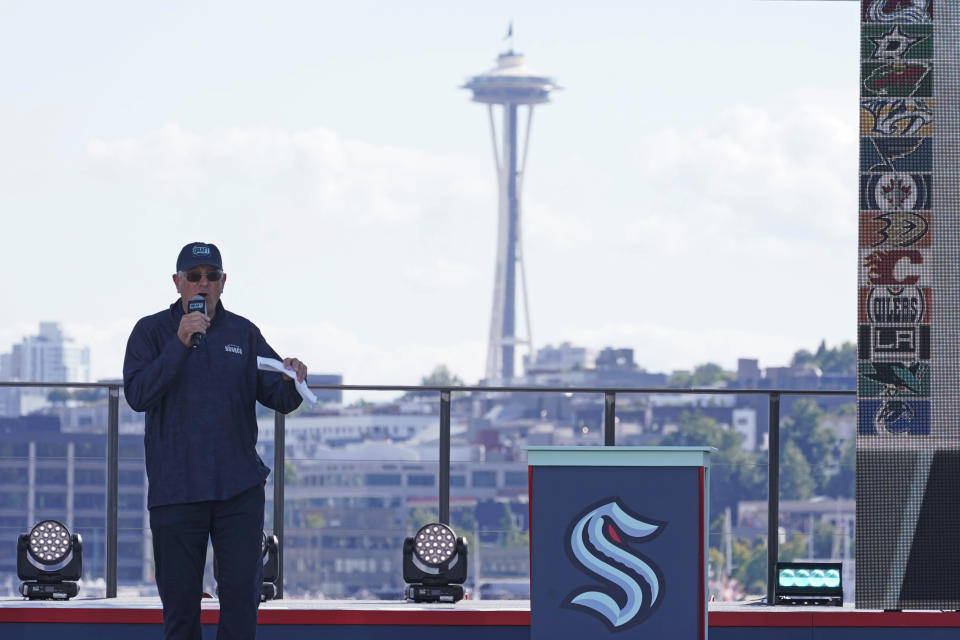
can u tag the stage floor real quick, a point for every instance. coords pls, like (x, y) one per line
(105, 619)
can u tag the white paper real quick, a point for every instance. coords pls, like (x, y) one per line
(272, 364)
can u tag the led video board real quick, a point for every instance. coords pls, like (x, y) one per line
(908, 389)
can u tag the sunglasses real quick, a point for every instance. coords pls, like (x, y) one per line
(212, 276)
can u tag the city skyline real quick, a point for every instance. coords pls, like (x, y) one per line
(51, 355)
(347, 179)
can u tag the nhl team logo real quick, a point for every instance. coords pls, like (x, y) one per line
(599, 541)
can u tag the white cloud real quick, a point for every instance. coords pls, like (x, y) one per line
(441, 272)
(107, 341)
(324, 346)
(752, 173)
(561, 229)
(343, 181)
(654, 204)
(732, 221)
(327, 348)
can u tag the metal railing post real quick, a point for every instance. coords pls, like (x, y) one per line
(444, 471)
(113, 486)
(773, 495)
(609, 418)
(279, 473)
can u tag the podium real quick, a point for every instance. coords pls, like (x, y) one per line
(618, 541)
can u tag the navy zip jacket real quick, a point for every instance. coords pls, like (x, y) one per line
(201, 427)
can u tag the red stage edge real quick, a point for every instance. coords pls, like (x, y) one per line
(529, 521)
(315, 617)
(702, 623)
(755, 617)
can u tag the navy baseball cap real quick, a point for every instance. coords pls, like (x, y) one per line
(199, 253)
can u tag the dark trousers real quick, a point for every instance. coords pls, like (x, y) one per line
(180, 534)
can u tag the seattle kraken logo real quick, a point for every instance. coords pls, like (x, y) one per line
(596, 542)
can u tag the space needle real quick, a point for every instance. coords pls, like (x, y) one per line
(511, 85)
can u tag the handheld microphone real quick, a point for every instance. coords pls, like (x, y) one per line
(197, 303)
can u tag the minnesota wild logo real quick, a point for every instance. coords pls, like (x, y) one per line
(900, 79)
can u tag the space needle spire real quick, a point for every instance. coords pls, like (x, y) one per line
(510, 85)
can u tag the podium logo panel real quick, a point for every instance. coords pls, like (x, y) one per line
(615, 551)
(596, 543)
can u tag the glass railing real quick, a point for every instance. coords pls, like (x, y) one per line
(359, 478)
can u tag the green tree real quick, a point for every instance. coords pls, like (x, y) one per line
(420, 516)
(796, 482)
(709, 374)
(679, 380)
(823, 537)
(464, 523)
(704, 375)
(511, 535)
(441, 377)
(843, 484)
(837, 360)
(89, 395)
(802, 358)
(58, 396)
(816, 442)
(463, 519)
(846, 409)
(821, 349)
(750, 562)
(717, 562)
(735, 474)
(289, 473)
(795, 547)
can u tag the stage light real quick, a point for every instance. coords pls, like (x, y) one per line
(49, 559)
(434, 565)
(809, 583)
(270, 555)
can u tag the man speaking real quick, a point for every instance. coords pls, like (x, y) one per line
(193, 369)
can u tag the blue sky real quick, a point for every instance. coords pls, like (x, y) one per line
(690, 193)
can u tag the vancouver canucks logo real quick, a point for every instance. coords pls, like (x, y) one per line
(596, 541)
